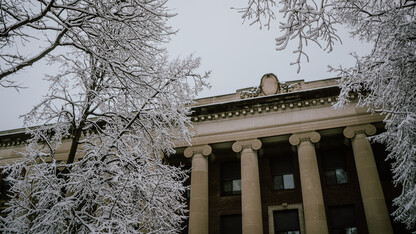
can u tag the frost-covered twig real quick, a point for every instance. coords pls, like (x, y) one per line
(306, 21)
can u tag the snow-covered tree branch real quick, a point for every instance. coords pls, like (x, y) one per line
(30, 30)
(385, 79)
(121, 102)
(305, 21)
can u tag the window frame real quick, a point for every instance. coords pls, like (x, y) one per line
(283, 207)
(283, 182)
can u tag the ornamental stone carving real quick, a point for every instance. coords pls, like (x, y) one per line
(368, 129)
(269, 84)
(313, 137)
(254, 144)
(205, 150)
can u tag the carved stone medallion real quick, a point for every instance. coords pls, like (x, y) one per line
(269, 84)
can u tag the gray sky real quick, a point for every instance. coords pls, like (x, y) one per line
(237, 54)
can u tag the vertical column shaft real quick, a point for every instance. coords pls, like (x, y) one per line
(313, 201)
(250, 186)
(375, 208)
(198, 210)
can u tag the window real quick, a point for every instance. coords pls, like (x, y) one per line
(282, 172)
(286, 219)
(4, 186)
(187, 183)
(231, 178)
(4, 191)
(185, 226)
(187, 193)
(343, 220)
(286, 222)
(383, 166)
(334, 166)
(231, 224)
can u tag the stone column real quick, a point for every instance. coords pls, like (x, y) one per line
(375, 208)
(250, 186)
(198, 210)
(313, 201)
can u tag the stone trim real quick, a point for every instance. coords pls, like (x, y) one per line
(313, 137)
(204, 150)
(254, 144)
(351, 131)
(7, 142)
(22, 139)
(263, 109)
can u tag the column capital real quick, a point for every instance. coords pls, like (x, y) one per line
(254, 144)
(296, 138)
(205, 150)
(368, 129)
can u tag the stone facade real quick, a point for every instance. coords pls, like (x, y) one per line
(280, 151)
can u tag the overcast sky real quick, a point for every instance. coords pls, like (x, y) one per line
(237, 54)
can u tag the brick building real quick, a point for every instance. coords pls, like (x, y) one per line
(279, 159)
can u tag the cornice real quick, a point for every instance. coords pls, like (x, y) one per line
(13, 140)
(259, 109)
